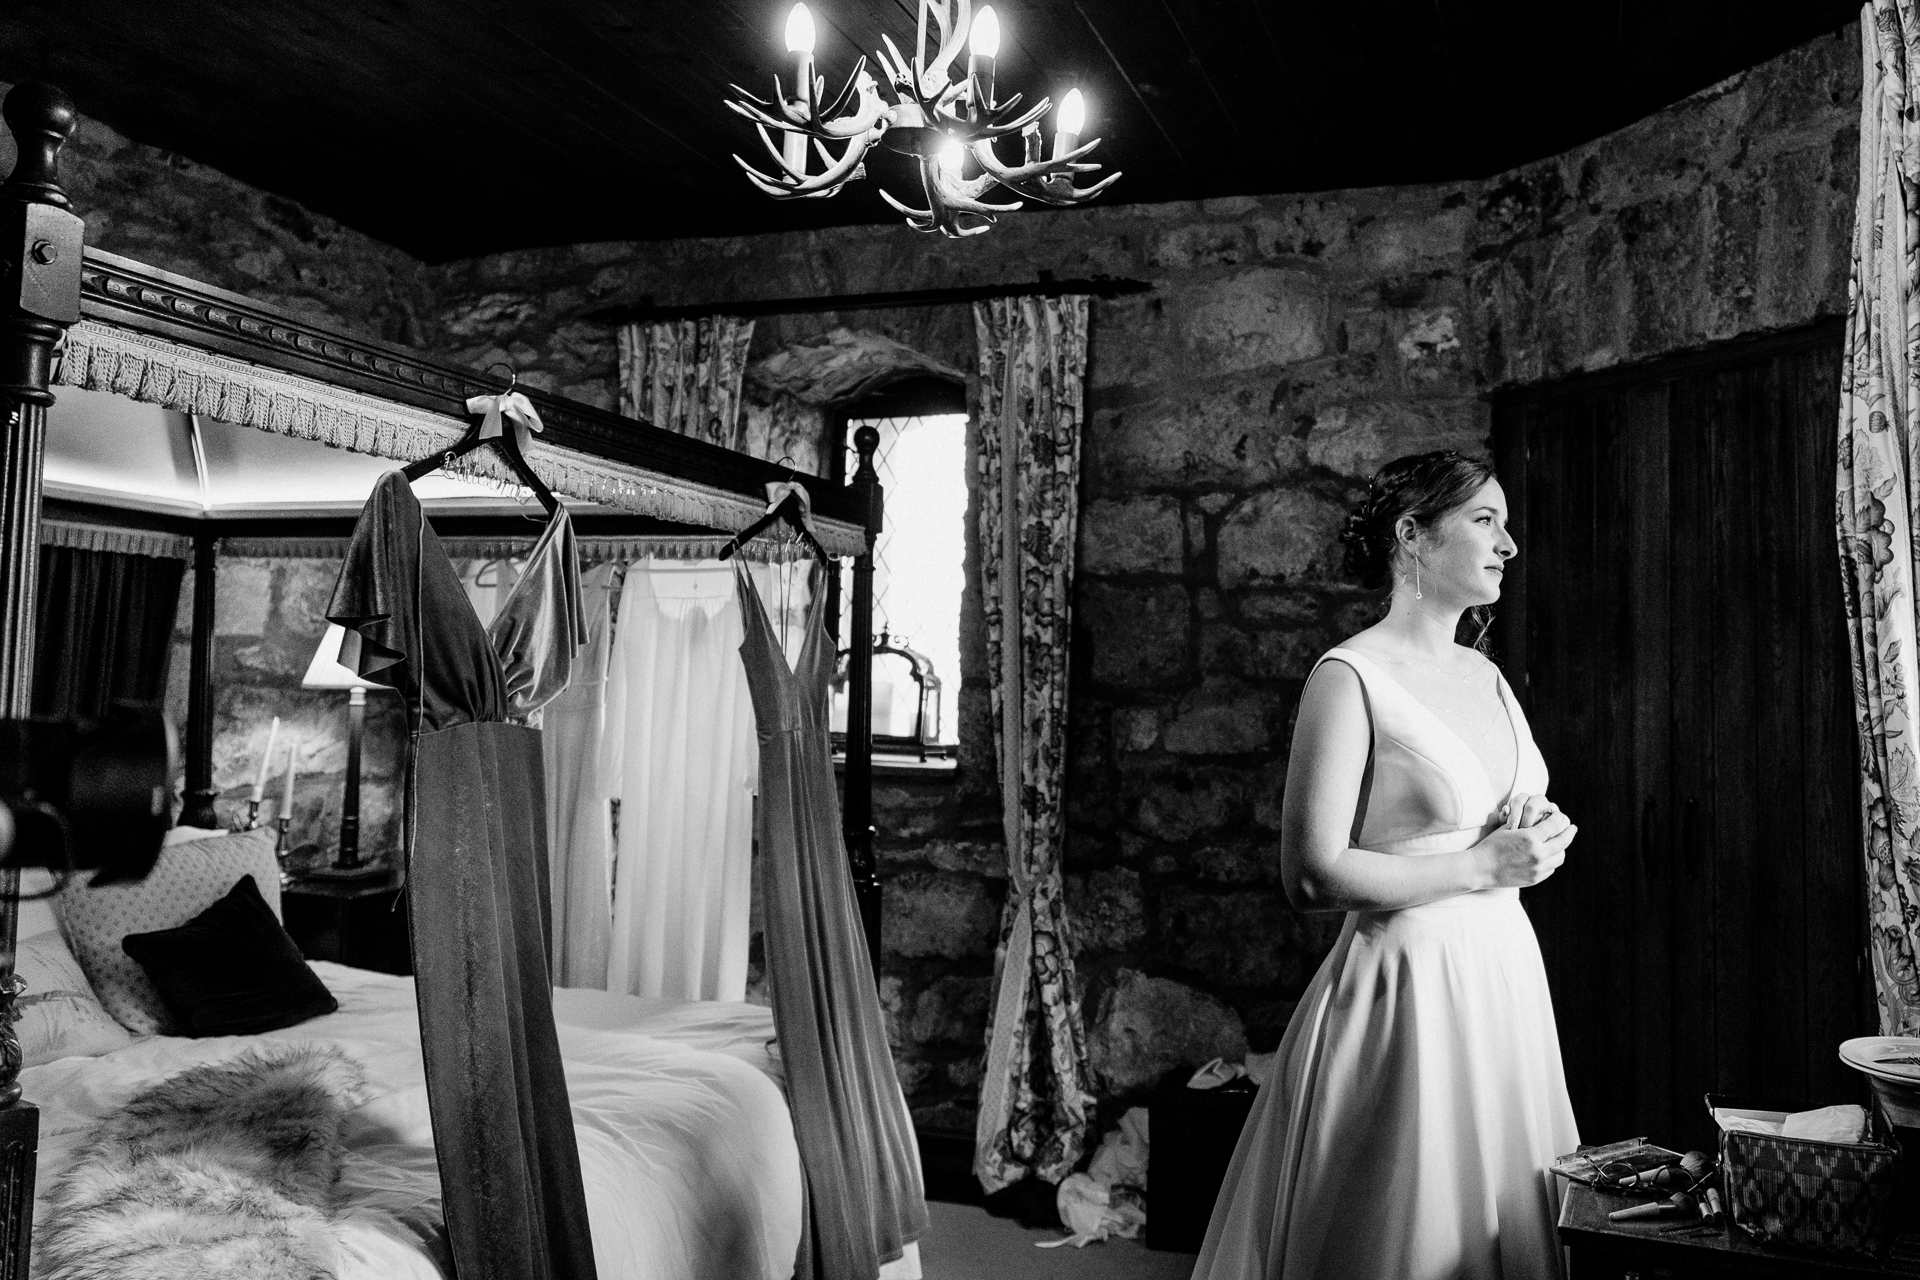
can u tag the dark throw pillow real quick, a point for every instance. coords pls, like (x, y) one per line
(231, 970)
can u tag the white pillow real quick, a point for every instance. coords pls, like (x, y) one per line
(186, 880)
(59, 1014)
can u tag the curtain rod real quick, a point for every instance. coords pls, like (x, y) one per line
(1045, 287)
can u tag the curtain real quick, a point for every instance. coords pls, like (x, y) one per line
(1878, 507)
(579, 810)
(680, 754)
(684, 375)
(1035, 1095)
(105, 626)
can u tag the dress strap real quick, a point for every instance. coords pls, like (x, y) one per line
(1358, 665)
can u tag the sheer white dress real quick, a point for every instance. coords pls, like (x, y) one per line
(1417, 1099)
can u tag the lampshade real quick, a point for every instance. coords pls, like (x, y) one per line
(325, 671)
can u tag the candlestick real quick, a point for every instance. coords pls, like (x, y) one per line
(253, 814)
(1067, 125)
(286, 800)
(266, 761)
(283, 849)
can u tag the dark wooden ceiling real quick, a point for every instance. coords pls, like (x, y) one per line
(458, 127)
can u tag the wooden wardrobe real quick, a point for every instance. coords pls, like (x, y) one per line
(1675, 631)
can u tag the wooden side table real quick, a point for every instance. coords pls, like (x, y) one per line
(363, 924)
(1601, 1250)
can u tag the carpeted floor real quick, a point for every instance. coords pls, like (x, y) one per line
(968, 1243)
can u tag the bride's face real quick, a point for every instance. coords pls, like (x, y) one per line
(1464, 553)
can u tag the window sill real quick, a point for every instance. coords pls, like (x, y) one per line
(904, 767)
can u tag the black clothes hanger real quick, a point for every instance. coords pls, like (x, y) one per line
(508, 442)
(788, 510)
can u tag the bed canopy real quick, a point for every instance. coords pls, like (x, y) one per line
(254, 380)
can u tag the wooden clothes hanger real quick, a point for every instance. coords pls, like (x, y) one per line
(508, 443)
(790, 511)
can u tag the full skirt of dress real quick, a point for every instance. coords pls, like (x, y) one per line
(1412, 1113)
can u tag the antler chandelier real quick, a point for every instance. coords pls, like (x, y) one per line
(939, 120)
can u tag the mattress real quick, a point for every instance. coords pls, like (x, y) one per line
(685, 1140)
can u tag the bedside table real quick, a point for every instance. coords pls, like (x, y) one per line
(363, 924)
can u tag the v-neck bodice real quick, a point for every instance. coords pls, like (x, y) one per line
(411, 627)
(1430, 790)
(787, 697)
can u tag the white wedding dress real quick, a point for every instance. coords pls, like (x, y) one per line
(1417, 1100)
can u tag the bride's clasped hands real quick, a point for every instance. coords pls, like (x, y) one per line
(1529, 846)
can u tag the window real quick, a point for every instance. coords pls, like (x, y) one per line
(918, 563)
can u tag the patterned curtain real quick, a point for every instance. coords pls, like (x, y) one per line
(1878, 508)
(684, 375)
(1035, 1096)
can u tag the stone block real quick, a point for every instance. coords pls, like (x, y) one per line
(932, 913)
(1184, 804)
(1429, 346)
(1280, 536)
(1304, 229)
(1105, 910)
(1132, 535)
(1257, 319)
(1248, 862)
(243, 597)
(1201, 244)
(1145, 1027)
(302, 589)
(952, 1009)
(1136, 728)
(1139, 635)
(1222, 717)
(1283, 654)
(1216, 433)
(1232, 938)
(1356, 440)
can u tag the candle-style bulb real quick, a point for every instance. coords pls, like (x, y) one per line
(952, 156)
(983, 40)
(1073, 113)
(800, 30)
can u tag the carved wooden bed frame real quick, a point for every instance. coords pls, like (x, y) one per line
(50, 284)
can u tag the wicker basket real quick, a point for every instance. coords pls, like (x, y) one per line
(1834, 1197)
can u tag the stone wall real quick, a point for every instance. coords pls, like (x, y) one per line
(171, 212)
(269, 613)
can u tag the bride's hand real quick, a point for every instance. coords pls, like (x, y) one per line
(1521, 857)
(1524, 811)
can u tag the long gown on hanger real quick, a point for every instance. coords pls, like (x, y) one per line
(1417, 1098)
(478, 893)
(865, 1201)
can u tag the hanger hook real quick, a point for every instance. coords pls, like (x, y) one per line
(785, 461)
(513, 378)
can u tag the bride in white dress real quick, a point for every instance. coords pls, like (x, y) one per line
(1417, 1100)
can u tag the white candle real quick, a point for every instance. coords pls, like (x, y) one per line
(793, 147)
(286, 800)
(983, 46)
(266, 762)
(1067, 125)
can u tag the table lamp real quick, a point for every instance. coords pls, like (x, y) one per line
(325, 672)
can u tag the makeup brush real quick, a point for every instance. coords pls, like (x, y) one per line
(1693, 1166)
(1680, 1204)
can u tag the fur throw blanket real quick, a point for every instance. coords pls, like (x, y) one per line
(224, 1171)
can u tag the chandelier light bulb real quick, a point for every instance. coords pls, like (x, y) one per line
(1073, 113)
(800, 30)
(983, 41)
(952, 156)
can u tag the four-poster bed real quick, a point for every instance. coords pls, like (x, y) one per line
(98, 322)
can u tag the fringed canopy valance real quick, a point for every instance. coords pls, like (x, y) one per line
(592, 551)
(129, 542)
(141, 366)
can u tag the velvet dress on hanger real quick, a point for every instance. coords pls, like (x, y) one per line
(478, 892)
(865, 1201)
(1417, 1100)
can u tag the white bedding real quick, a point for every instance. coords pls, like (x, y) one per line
(685, 1140)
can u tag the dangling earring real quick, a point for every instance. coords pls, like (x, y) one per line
(1416, 579)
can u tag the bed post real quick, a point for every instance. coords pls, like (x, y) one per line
(858, 809)
(40, 243)
(198, 811)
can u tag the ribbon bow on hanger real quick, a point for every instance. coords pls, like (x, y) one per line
(512, 406)
(778, 491)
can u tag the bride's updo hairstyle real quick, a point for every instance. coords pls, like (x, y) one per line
(1423, 485)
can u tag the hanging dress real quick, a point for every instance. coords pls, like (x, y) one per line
(865, 1200)
(1417, 1098)
(478, 894)
(579, 816)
